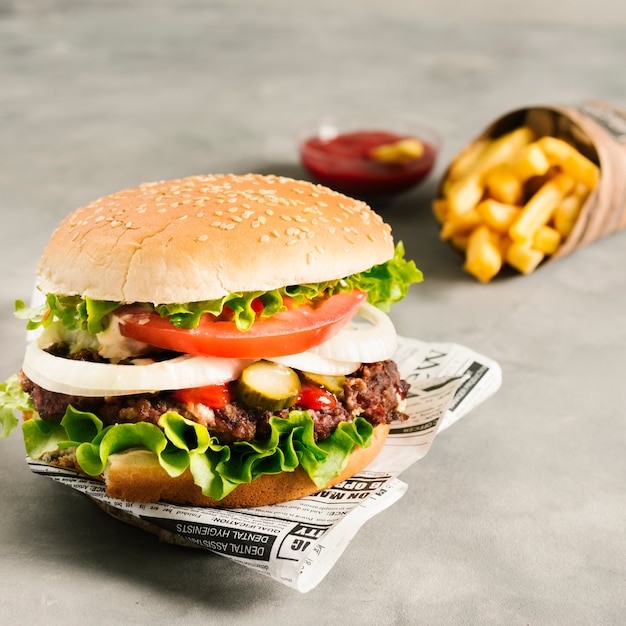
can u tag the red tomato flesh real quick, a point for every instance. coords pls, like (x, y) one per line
(289, 332)
(213, 396)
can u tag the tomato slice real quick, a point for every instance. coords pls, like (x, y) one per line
(289, 332)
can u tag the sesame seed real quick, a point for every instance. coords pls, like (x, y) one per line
(269, 212)
(203, 237)
(275, 233)
(236, 218)
(291, 242)
(217, 224)
(115, 223)
(309, 258)
(331, 230)
(201, 214)
(285, 217)
(264, 238)
(300, 219)
(100, 218)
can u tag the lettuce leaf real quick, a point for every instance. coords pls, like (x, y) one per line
(12, 398)
(385, 284)
(180, 444)
(388, 282)
(74, 312)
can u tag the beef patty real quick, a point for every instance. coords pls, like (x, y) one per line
(375, 392)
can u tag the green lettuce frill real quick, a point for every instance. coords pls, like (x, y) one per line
(180, 444)
(385, 284)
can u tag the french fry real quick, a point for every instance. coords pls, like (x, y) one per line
(501, 150)
(523, 258)
(539, 209)
(532, 161)
(504, 185)
(547, 240)
(566, 214)
(571, 161)
(483, 256)
(462, 224)
(461, 164)
(400, 151)
(498, 215)
(464, 194)
(513, 199)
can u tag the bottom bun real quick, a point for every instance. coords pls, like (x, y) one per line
(137, 476)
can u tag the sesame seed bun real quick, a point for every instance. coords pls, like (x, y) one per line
(203, 237)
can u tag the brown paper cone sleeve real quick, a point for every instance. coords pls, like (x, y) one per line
(604, 213)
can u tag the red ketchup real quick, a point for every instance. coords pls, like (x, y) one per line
(345, 163)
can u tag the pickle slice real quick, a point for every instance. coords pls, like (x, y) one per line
(269, 386)
(334, 384)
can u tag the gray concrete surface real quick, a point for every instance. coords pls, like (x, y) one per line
(516, 515)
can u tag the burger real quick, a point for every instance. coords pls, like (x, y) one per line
(215, 340)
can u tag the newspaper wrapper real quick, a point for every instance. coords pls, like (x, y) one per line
(298, 542)
(598, 130)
